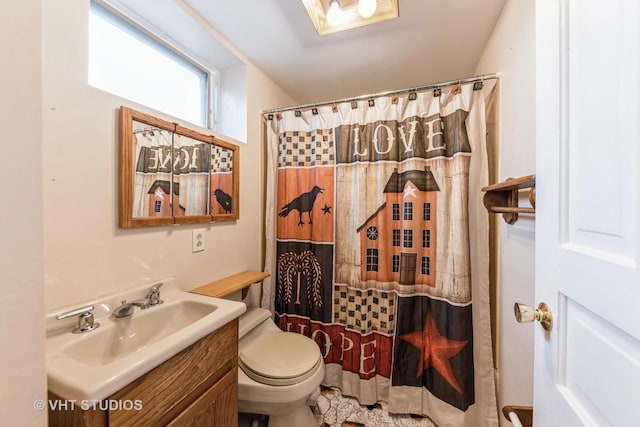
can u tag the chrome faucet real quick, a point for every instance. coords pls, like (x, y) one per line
(151, 300)
(154, 295)
(85, 319)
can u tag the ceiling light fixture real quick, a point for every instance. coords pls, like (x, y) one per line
(330, 16)
(334, 15)
(366, 8)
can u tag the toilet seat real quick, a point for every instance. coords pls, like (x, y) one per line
(280, 358)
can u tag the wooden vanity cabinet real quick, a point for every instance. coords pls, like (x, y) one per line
(196, 387)
(216, 407)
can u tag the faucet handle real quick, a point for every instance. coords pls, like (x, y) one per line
(74, 312)
(154, 295)
(85, 319)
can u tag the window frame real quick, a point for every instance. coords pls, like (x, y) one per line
(372, 233)
(372, 259)
(395, 212)
(133, 27)
(395, 263)
(426, 238)
(408, 211)
(425, 266)
(407, 238)
(396, 237)
(426, 211)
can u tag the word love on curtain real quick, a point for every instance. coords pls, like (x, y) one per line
(377, 241)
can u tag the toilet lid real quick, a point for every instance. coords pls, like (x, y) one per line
(279, 358)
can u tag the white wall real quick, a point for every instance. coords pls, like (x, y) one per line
(232, 105)
(86, 254)
(22, 366)
(511, 52)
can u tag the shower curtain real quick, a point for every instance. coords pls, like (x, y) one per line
(377, 242)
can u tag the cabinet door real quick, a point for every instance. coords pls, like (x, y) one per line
(217, 407)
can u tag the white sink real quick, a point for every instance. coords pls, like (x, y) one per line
(95, 364)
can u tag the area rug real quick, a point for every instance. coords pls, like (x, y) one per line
(332, 409)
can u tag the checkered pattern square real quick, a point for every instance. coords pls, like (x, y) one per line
(315, 148)
(221, 160)
(365, 310)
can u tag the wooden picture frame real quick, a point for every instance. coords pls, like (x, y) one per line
(171, 174)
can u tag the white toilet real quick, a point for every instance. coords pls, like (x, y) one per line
(277, 371)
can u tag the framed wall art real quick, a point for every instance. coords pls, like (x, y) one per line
(171, 174)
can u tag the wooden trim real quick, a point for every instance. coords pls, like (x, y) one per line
(127, 172)
(126, 180)
(235, 214)
(228, 285)
(501, 209)
(513, 184)
(190, 133)
(524, 413)
(192, 219)
(127, 115)
(222, 143)
(236, 183)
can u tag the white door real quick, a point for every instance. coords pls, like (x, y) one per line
(587, 369)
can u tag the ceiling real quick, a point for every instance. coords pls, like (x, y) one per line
(431, 41)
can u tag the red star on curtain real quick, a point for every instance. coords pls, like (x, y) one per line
(435, 351)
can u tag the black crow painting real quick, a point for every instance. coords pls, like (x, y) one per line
(303, 203)
(224, 199)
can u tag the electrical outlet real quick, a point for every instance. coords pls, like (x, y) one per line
(197, 243)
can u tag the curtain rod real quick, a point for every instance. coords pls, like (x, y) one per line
(388, 93)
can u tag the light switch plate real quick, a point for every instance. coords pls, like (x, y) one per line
(197, 244)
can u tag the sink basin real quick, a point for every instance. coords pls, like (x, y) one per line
(130, 334)
(95, 364)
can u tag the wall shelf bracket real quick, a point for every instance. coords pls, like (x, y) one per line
(503, 197)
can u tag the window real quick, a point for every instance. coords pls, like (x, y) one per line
(157, 206)
(426, 238)
(372, 259)
(427, 211)
(425, 268)
(130, 63)
(408, 238)
(395, 263)
(408, 211)
(396, 211)
(372, 233)
(395, 237)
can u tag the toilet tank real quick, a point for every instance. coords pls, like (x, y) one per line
(255, 318)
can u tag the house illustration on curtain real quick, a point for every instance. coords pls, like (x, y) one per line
(398, 242)
(159, 202)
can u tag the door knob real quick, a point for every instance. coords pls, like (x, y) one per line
(524, 314)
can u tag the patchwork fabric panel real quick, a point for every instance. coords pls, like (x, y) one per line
(221, 160)
(303, 275)
(365, 310)
(434, 349)
(315, 148)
